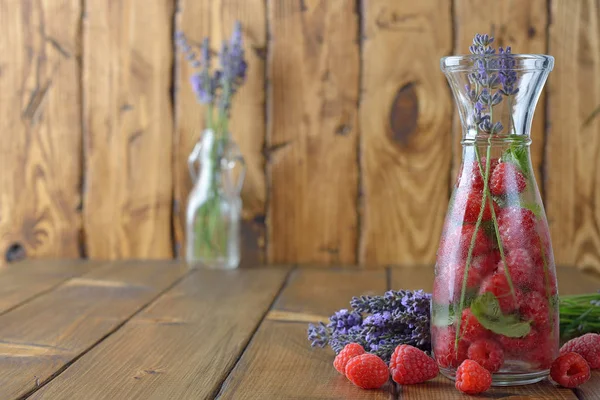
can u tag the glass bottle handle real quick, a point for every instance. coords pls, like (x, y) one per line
(193, 160)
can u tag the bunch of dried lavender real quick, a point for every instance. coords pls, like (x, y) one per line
(378, 323)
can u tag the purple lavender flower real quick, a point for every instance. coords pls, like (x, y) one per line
(379, 323)
(508, 76)
(342, 321)
(483, 96)
(220, 86)
(482, 44)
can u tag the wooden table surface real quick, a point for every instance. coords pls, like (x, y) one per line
(155, 330)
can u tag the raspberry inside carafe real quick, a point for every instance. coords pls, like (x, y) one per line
(495, 291)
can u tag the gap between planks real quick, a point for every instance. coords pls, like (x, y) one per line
(108, 334)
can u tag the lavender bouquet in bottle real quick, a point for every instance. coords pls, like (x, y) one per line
(214, 205)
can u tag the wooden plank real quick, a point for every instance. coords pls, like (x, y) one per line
(570, 282)
(28, 279)
(312, 139)
(181, 347)
(40, 338)
(279, 362)
(215, 18)
(127, 128)
(405, 116)
(522, 25)
(573, 193)
(590, 389)
(40, 151)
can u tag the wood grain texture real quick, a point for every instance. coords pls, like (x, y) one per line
(522, 25)
(215, 18)
(405, 119)
(312, 138)
(40, 150)
(23, 281)
(279, 362)
(181, 347)
(39, 338)
(573, 184)
(590, 389)
(128, 128)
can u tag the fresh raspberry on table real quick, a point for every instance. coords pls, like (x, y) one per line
(507, 178)
(472, 378)
(410, 365)
(521, 268)
(498, 285)
(349, 351)
(587, 346)
(444, 350)
(516, 227)
(534, 307)
(367, 371)
(487, 353)
(570, 370)
(470, 327)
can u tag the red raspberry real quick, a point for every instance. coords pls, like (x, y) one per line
(468, 204)
(519, 346)
(455, 246)
(367, 371)
(486, 264)
(517, 227)
(487, 353)
(470, 327)
(570, 370)
(351, 350)
(521, 268)
(448, 284)
(473, 278)
(507, 178)
(472, 378)
(410, 365)
(498, 285)
(587, 346)
(443, 348)
(470, 176)
(534, 307)
(544, 352)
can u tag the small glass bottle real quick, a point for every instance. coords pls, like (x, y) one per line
(214, 205)
(495, 294)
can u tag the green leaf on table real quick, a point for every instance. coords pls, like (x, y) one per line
(487, 311)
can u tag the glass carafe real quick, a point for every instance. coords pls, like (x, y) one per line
(214, 206)
(495, 294)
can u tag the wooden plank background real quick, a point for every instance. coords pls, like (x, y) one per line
(346, 123)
